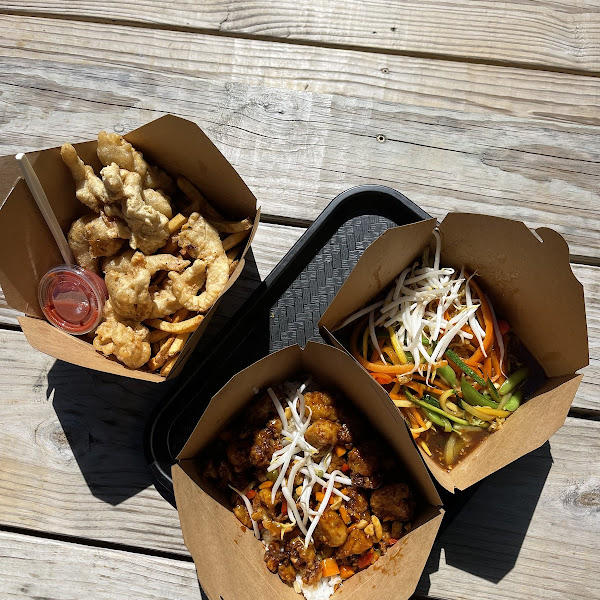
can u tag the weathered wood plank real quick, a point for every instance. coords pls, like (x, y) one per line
(408, 80)
(297, 151)
(560, 34)
(8, 316)
(525, 535)
(33, 567)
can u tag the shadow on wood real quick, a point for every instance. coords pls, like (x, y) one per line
(103, 416)
(486, 535)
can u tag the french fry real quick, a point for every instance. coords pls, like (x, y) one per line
(234, 239)
(178, 344)
(199, 202)
(161, 356)
(179, 315)
(182, 327)
(231, 226)
(157, 335)
(168, 366)
(176, 223)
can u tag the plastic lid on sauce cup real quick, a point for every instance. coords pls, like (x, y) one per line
(72, 298)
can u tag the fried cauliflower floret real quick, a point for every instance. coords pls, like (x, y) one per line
(201, 241)
(149, 226)
(80, 245)
(113, 148)
(89, 189)
(125, 339)
(393, 502)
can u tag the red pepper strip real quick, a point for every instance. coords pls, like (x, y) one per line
(365, 559)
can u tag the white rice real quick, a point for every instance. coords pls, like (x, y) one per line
(322, 590)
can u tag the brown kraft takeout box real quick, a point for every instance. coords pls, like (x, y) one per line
(229, 559)
(529, 281)
(27, 249)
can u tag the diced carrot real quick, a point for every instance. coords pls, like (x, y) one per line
(345, 467)
(346, 572)
(340, 451)
(365, 560)
(344, 514)
(265, 485)
(392, 541)
(284, 507)
(250, 494)
(330, 567)
(319, 496)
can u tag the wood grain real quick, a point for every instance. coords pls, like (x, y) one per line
(408, 80)
(298, 150)
(37, 568)
(560, 34)
(525, 535)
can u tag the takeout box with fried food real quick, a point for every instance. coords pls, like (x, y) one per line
(229, 560)
(528, 278)
(160, 213)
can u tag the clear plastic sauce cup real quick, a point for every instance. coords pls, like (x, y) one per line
(72, 298)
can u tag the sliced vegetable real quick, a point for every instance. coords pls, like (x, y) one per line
(340, 451)
(493, 391)
(452, 449)
(330, 567)
(346, 572)
(365, 560)
(250, 494)
(457, 360)
(493, 411)
(266, 485)
(431, 400)
(473, 397)
(514, 380)
(345, 516)
(434, 409)
(447, 374)
(514, 402)
(438, 419)
(476, 413)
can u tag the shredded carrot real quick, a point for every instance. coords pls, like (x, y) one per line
(340, 451)
(418, 417)
(488, 340)
(265, 485)
(417, 387)
(487, 368)
(382, 378)
(344, 514)
(330, 567)
(250, 494)
(392, 355)
(438, 382)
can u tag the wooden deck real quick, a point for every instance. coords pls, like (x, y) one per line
(488, 107)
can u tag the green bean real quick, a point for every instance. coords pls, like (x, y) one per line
(473, 397)
(438, 419)
(447, 374)
(457, 360)
(493, 391)
(514, 380)
(515, 401)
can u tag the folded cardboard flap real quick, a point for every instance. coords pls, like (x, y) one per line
(530, 283)
(27, 249)
(216, 539)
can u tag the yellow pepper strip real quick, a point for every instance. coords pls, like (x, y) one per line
(444, 399)
(425, 447)
(488, 410)
(477, 413)
(397, 347)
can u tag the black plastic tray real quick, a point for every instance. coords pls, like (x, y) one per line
(282, 311)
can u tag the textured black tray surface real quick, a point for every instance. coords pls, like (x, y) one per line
(282, 311)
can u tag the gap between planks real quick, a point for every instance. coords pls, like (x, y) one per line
(299, 41)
